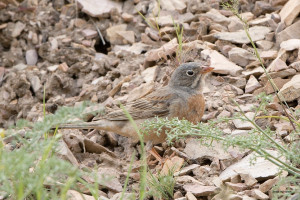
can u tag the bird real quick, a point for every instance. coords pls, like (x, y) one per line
(182, 97)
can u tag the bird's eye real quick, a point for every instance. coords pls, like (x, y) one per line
(190, 72)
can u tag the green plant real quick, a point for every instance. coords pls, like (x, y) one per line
(162, 185)
(30, 169)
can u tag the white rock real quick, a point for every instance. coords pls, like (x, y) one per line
(290, 11)
(264, 44)
(241, 56)
(220, 63)
(245, 125)
(173, 5)
(240, 37)
(149, 73)
(290, 45)
(96, 8)
(31, 57)
(261, 169)
(256, 193)
(252, 84)
(217, 17)
(291, 90)
(18, 28)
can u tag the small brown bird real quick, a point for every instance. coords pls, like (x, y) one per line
(181, 98)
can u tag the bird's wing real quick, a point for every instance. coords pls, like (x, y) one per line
(155, 104)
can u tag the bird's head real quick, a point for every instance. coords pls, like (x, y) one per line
(189, 76)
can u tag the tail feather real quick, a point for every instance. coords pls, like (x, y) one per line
(81, 125)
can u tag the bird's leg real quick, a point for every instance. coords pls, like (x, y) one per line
(152, 151)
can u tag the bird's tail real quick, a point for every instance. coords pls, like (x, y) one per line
(81, 125)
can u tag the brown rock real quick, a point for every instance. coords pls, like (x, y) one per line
(241, 56)
(264, 44)
(173, 164)
(290, 11)
(190, 196)
(277, 65)
(291, 90)
(249, 180)
(279, 82)
(267, 185)
(291, 32)
(259, 195)
(127, 17)
(112, 33)
(237, 186)
(252, 84)
(199, 190)
(166, 50)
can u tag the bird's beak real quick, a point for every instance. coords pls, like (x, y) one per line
(206, 70)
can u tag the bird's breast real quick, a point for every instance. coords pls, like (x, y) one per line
(191, 109)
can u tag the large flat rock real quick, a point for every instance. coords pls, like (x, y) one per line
(240, 37)
(261, 169)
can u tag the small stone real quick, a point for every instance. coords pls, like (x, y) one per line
(223, 114)
(264, 44)
(259, 195)
(31, 57)
(296, 66)
(112, 33)
(127, 17)
(237, 186)
(240, 132)
(279, 82)
(245, 125)
(257, 71)
(166, 50)
(240, 56)
(252, 84)
(290, 11)
(89, 33)
(199, 190)
(173, 164)
(268, 184)
(269, 54)
(291, 90)
(235, 25)
(186, 170)
(190, 196)
(277, 65)
(18, 28)
(73, 194)
(172, 5)
(220, 63)
(249, 180)
(128, 36)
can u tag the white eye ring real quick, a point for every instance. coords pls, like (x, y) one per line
(190, 73)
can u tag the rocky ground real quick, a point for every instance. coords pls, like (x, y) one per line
(106, 52)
